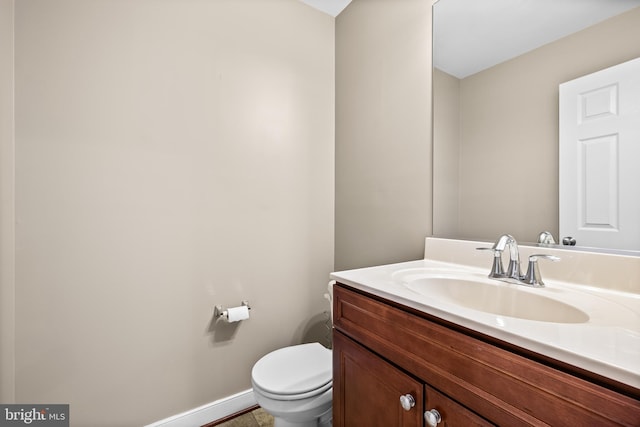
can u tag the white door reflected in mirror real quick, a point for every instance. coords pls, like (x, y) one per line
(600, 158)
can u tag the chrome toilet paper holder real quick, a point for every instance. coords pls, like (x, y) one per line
(220, 311)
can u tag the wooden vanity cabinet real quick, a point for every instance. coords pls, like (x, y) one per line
(383, 351)
(371, 389)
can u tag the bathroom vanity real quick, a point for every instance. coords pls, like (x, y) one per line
(402, 358)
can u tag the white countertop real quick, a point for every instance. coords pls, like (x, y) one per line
(608, 343)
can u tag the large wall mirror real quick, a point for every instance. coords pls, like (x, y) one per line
(497, 68)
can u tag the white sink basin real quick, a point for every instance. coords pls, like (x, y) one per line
(497, 298)
(584, 321)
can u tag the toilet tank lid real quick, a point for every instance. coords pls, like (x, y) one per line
(294, 370)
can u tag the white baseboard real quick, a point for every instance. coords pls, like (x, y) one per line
(210, 412)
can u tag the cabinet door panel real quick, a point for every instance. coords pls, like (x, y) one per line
(367, 389)
(452, 413)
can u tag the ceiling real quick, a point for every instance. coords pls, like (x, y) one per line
(472, 35)
(332, 7)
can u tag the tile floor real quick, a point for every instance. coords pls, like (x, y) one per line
(255, 418)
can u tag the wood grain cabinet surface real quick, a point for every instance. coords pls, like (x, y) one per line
(383, 351)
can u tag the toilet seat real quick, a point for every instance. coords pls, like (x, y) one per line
(295, 372)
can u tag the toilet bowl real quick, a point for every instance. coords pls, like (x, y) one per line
(294, 385)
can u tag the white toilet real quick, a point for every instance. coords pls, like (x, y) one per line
(294, 384)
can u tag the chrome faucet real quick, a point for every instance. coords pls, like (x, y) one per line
(507, 240)
(533, 277)
(546, 238)
(513, 273)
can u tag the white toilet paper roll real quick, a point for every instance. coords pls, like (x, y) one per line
(235, 314)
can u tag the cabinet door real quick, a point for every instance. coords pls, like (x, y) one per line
(453, 414)
(367, 389)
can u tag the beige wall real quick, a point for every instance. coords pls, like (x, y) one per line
(383, 131)
(7, 206)
(446, 173)
(170, 156)
(509, 130)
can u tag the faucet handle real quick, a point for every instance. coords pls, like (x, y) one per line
(497, 270)
(533, 278)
